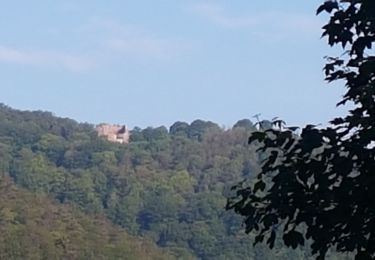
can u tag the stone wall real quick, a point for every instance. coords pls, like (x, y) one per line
(113, 133)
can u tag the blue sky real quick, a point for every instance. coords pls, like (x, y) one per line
(154, 62)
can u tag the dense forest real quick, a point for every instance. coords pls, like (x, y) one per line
(34, 227)
(67, 193)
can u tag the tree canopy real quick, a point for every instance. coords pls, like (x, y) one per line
(35, 227)
(317, 185)
(166, 189)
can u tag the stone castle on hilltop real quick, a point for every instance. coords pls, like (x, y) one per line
(113, 133)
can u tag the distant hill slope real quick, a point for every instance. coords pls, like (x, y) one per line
(34, 227)
(167, 185)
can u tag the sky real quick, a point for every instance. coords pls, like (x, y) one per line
(154, 62)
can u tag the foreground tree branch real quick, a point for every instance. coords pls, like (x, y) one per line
(320, 184)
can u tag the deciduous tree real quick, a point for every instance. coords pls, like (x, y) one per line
(320, 184)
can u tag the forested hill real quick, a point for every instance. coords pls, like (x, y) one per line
(167, 185)
(34, 227)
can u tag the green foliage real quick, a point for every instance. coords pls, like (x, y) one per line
(319, 185)
(170, 188)
(179, 128)
(245, 123)
(198, 128)
(34, 227)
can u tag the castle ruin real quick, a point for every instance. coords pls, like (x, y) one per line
(113, 133)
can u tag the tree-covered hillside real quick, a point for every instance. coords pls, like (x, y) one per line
(34, 227)
(166, 185)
